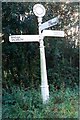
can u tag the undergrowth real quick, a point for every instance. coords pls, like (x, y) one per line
(20, 103)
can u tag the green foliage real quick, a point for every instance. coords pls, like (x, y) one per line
(19, 103)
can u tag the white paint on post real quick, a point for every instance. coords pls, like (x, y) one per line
(24, 38)
(55, 33)
(44, 80)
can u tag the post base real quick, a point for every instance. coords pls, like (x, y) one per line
(45, 93)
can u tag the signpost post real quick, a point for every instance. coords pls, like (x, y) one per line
(44, 81)
(39, 11)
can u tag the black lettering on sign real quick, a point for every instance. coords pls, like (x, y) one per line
(50, 23)
(16, 38)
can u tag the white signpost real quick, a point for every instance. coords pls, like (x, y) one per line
(39, 11)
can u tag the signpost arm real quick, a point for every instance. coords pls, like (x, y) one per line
(44, 81)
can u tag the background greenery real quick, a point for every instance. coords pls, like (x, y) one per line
(21, 62)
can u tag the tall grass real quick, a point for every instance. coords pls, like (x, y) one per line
(19, 103)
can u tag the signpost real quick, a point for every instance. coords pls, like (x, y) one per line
(39, 11)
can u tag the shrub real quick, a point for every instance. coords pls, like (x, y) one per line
(19, 103)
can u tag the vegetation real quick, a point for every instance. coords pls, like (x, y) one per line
(21, 63)
(19, 103)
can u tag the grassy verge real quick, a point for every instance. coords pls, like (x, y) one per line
(28, 104)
